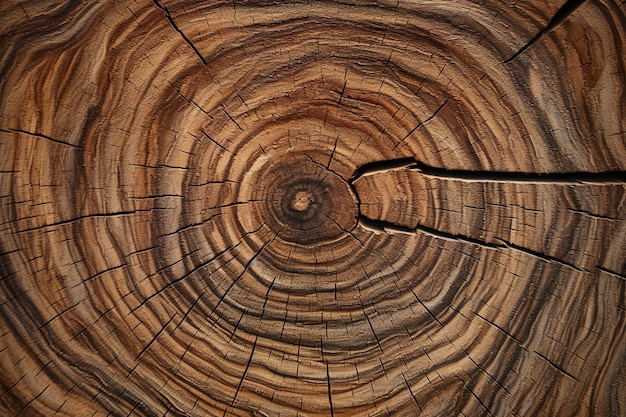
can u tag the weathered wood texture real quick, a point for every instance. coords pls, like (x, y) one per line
(312, 208)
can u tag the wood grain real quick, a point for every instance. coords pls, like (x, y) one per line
(312, 208)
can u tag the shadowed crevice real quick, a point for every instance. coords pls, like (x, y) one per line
(495, 176)
(382, 166)
(563, 13)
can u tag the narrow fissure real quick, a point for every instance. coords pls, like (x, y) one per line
(180, 32)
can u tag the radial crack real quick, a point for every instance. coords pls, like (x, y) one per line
(330, 397)
(155, 338)
(576, 177)
(555, 366)
(491, 323)
(477, 398)
(383, 226)
(382, 166)
(231, 118)
(422, 123)
(76, 219)
(223, 296)
(563, 13)
(535, 177)
(42, 136)
(180, 32)
(214, 141)
(245, 372)
(540, 255)
(411, 392)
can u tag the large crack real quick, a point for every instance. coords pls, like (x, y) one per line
(383, 226)
(422, 123)
(574, 177)
(559, 17)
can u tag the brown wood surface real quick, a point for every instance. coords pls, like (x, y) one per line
(257, 208)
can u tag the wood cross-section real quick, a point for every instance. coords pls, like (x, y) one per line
(312, 208)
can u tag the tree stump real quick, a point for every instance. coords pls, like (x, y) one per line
(313, 208)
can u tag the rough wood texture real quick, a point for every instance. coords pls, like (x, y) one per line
(312, 208)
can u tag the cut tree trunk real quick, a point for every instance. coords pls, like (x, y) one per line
(313, 208)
